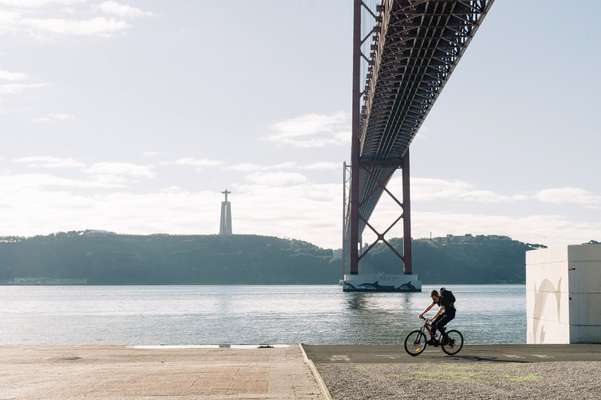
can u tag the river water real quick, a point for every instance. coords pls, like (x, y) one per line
(188, 315)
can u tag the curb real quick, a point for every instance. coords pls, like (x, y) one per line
(322, 385)
(208, 346)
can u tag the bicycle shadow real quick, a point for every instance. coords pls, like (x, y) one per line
(485, 359)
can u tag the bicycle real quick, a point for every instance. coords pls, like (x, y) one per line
(417, 340)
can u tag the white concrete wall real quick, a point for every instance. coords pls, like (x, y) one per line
(563, 295)
(585, 293)
(547, 297)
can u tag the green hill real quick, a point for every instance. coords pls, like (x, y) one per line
(458, 259)
(105, 258)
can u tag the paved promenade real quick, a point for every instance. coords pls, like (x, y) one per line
(559, 372)
(117, 372)
(513, 353)
(349, 371)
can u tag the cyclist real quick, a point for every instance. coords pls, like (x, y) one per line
(446, 301)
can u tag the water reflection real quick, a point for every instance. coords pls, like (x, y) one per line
(357, 301)
(246, 314)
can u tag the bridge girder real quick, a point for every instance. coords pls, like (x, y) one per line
(416, 45)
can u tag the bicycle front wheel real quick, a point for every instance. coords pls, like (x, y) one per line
(454, 343)
(415, 343)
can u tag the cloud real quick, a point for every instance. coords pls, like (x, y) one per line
(17, 88)
(122, 10)
(12, 76)
(48, 162)
(316, 166)
(38, 3)
(151, 154)
(54, 117)
(276, 178)
(284, 203)
(40, 183)
(428, 189)
(322, 166)
(120, 171)
(94, 26)
(568, 196)
(546, 229)
(32, 18)
(15, 83)
(312, 130)
(198, 163)
(252, 167)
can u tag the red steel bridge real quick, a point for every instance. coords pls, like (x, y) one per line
(404, 52)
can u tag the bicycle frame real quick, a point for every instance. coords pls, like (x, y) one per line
(427, 328)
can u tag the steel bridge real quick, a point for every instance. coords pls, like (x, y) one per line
(409, 49)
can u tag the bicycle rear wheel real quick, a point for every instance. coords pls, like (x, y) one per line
(415, 343)
(454, 342)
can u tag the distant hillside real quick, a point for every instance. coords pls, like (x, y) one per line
(459, 259)
(105, 258)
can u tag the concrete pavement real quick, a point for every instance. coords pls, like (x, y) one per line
(494, 372)
(119, 372)
(349, 371)
(516, 353)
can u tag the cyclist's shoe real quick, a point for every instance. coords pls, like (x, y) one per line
(433, 342)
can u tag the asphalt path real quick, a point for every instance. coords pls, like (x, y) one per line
(508, 353)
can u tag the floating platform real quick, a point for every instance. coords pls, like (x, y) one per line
(388, 283)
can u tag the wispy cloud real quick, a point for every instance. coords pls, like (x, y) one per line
(12, 76)
(322, 166)
(119, 173)
(288, 165)
(13, 83)
(49, 162)
(79, 17)
(312, 130)
(569, 196)
(283, 203)
(428, 189)
(276, 178)
(54, 117)
(17, 88)
(122, 10)
(198, 163)
(252, 167)
(83, 27)
(38, 3)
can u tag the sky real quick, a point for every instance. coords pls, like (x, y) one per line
(132, 116)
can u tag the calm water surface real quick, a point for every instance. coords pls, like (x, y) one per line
(246, 314)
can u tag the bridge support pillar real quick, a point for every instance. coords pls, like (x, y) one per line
(355, 280)
(353, 221)
(355, 144)
(407, 242)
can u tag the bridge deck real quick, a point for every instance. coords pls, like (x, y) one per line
(416, 46)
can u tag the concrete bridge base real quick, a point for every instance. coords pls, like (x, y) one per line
(381, 283)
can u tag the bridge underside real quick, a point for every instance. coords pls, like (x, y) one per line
(415, 46)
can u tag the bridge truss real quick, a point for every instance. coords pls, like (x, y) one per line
(409, 49)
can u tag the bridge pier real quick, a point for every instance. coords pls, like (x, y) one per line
(408, 50)
(354, 280)
(407, 238)
(353, 221)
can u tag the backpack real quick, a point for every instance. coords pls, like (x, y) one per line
(447, 297)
